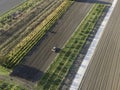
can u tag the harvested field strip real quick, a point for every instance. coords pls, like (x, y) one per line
(61, 65)
(23, 32)
(16, 54)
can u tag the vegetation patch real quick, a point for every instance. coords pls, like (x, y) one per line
(10, 17)
(7, 86)
(4, 71)
(59, 68)
(27, 23)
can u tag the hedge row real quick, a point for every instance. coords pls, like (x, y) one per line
(59, 68)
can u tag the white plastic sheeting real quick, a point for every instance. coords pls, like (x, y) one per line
(81, 71)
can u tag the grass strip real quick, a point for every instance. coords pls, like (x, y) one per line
(59, 68)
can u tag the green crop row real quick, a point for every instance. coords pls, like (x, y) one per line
(20, 50)
(59, 68)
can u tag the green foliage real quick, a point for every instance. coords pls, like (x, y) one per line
(4, 85)
(8, 86)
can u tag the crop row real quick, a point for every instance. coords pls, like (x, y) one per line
(21, 49)
(59, 68)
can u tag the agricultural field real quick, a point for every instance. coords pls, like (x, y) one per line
(23, 27)
(14, 45)
(59, 68)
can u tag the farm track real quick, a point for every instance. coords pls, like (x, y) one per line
(104, 69)
(27, 28)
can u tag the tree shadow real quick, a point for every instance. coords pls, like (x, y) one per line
(27, 73)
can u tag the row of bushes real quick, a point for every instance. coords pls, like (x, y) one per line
(59, 68)
(21, 49)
